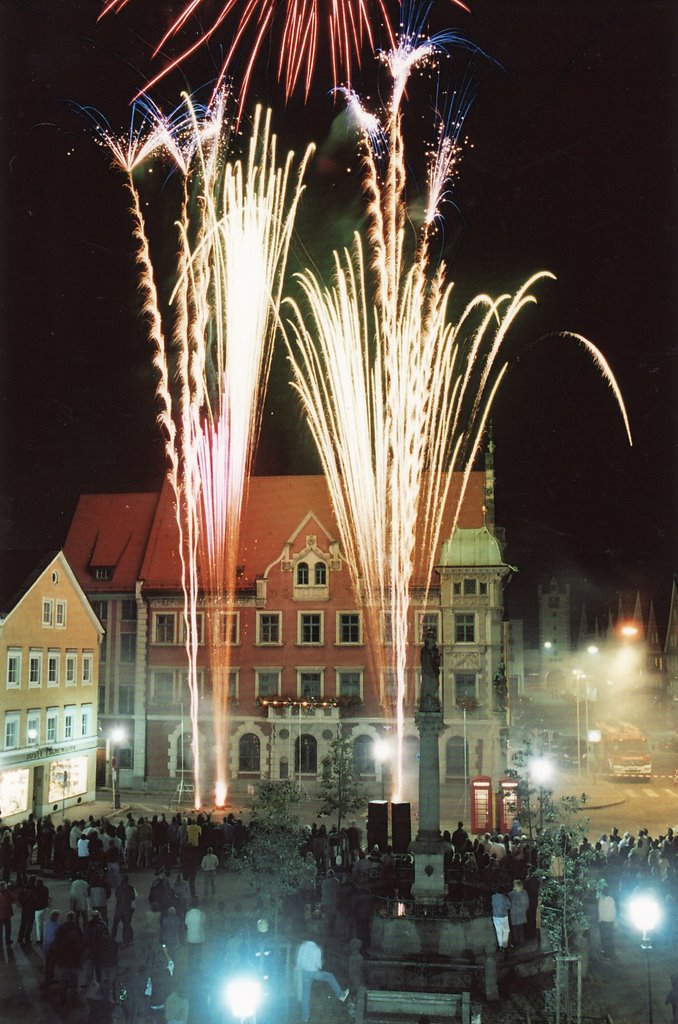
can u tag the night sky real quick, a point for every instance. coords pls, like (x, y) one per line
(570, 167)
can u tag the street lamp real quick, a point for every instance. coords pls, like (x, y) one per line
(541, 772)
(578, 675)
(243, 996)
(117, 736)
(382, 753)
(645, 914)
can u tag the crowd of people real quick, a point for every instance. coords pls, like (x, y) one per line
(105, 864)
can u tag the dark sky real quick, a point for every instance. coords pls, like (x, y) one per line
(572, 168)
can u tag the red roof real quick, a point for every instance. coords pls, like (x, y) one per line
(275, 509)
(110, 531)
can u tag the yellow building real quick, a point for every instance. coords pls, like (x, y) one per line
(49, 660)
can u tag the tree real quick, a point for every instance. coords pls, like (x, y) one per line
(340, 788)
(271, 859)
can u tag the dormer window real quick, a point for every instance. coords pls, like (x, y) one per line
(302, 574)
(103, 572)
(320, 573)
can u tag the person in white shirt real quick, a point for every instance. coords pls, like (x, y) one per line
(209, 865)
(309, 968)
(195, 933)
(607, 915)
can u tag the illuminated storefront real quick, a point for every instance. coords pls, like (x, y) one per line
(67, 778)
(14, 792)
(44, 779)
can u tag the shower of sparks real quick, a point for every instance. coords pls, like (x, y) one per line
(396, 394)
(235, 227)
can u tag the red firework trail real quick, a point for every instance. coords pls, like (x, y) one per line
(349, 29)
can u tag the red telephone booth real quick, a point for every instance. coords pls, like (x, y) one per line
(481, 804)
(507, 803)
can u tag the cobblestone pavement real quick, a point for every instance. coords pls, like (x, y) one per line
(618, 988)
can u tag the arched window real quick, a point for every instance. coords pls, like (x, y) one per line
(184, 753)
(249, 753)
(302, 574)
(363, 755)
(320, 574)
(306, 755)
(456, 757)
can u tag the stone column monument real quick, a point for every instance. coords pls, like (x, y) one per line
(428, 848)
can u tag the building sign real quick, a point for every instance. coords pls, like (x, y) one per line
(67, 778)
(13, 792)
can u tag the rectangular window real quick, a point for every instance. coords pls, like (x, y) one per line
(268, 683)
(456, 587)
(103, 648)
(129, 611)
(53, 658)
(310, 685)
(348, 629)
(310, 628)
(125, 757)
(126, 700)
(163, 687)
(11, 730)
(269, 627)
(87, 668)
(165, 627)
(464, 686)
(101, 699)
(33, 728)
(230, 628)
(35, 668)
(86, 720)
(199, 628)
(464, 628)
(52, 719)
(13, 668)
(128, 647)
(389, 686)
(349, 683)
(429, 621)
(233, 684)
(470, 587)
(71, 668)
(103, 572)
(100, 609)
(69, 717)
(482, 588)
(60, 615)
(387, 628)
(47, 611)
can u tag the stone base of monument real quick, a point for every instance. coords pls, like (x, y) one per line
(429, 870)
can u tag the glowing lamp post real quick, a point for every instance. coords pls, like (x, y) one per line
(243, 997)
(541, 772)
(382, 752)
(645, 914)
(117, 736)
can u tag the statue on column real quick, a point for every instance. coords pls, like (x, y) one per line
(430, 673)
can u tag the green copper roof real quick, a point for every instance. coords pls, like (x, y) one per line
(471, 547)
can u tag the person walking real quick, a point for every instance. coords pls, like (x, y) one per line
(309, 969)
(195, 922)
(208, 866)
(501, 906)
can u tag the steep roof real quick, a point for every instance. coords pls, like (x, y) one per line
(18, 572)
(58, 560)
(110, 531)
(273, 511)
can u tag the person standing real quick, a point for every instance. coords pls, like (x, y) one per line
(27, 901)
(208, 866)
(41, 905)
(125, 898)
(607, 916)
(78, 898)
(672, 999)
(309, 968)
(195, 921)
(68, 955)
(519, 901)
(6, 913)
(49, 936)
(501, 905)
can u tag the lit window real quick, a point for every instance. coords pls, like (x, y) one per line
(349, 628)
(320, 574)
(47, 612)
(60, 619)
(13, 669)
(33, 728)
(310, 628)
(464, 628)
(269, 628)
(268, 684)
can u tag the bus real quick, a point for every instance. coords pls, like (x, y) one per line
(623, 751)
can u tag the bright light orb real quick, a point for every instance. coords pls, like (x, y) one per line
(118, 735)
(381, 751)
(645, 913)
(243, 997)
(592, 649)
(541, 770)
